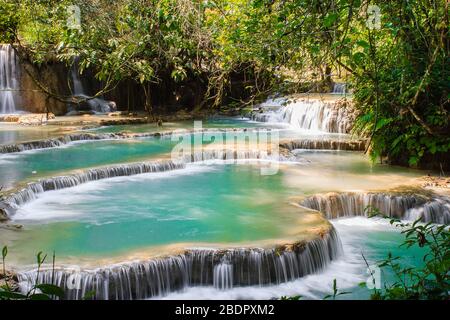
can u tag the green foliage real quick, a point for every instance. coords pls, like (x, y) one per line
(398, 73)
(336, 293)
(432, 281)
(37, 292)
(8, 21)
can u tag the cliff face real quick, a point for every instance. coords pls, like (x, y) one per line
(54, 76)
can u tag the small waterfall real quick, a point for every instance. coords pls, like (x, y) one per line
(340, 88)
(96, 105)
(232, 155)
(221, 268)
(29, 193)
(401, 206)
(9, 83)
(56, 142)
(223, 276)
(437, 211)
(315, 115)
(60, 141)
(324, 144)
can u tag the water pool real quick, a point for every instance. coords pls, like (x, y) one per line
(211, 204)
(34, 164)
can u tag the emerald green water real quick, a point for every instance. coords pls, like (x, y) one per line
(213, 123)
(215, 204)
(39, 163)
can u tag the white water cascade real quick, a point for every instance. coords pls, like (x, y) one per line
(305, 114)
(340, 88)
(196, 267)
(96, 105)
(223, 276)
(9, 83)
(435, 209)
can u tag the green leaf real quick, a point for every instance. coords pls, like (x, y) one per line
(330, 19)
(50, 289)
(40, 259)
(383, 122)
(8, 295)
(359, 57)
(39, 296)
(4, 252)
(89, 295)
(364, 44)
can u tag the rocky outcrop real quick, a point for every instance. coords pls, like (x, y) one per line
(54, 76)
(9, 279)
(3, 213)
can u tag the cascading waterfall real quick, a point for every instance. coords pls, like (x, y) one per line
(403, 206)
(437, 210)
(221, 268)
(233, 155)
(9, 83)
(56, 142)
(324, 144)
(316, 115)
(339, 88)
(97, 105)
(32, 190)
(61, 141)
(223, 276)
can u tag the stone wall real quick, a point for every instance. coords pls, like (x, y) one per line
(54, 77)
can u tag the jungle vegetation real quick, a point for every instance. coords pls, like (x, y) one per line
(393, 54)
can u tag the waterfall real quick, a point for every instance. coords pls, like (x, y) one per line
(402, 206)
(63, 140)
(437, 211)
(9, 83)
(324, 144)
(313, 114)
(55, 142)
(223, 276)
(340, 88)
(196, 267)
(32, 190)
(225, 154)
(96, 105)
